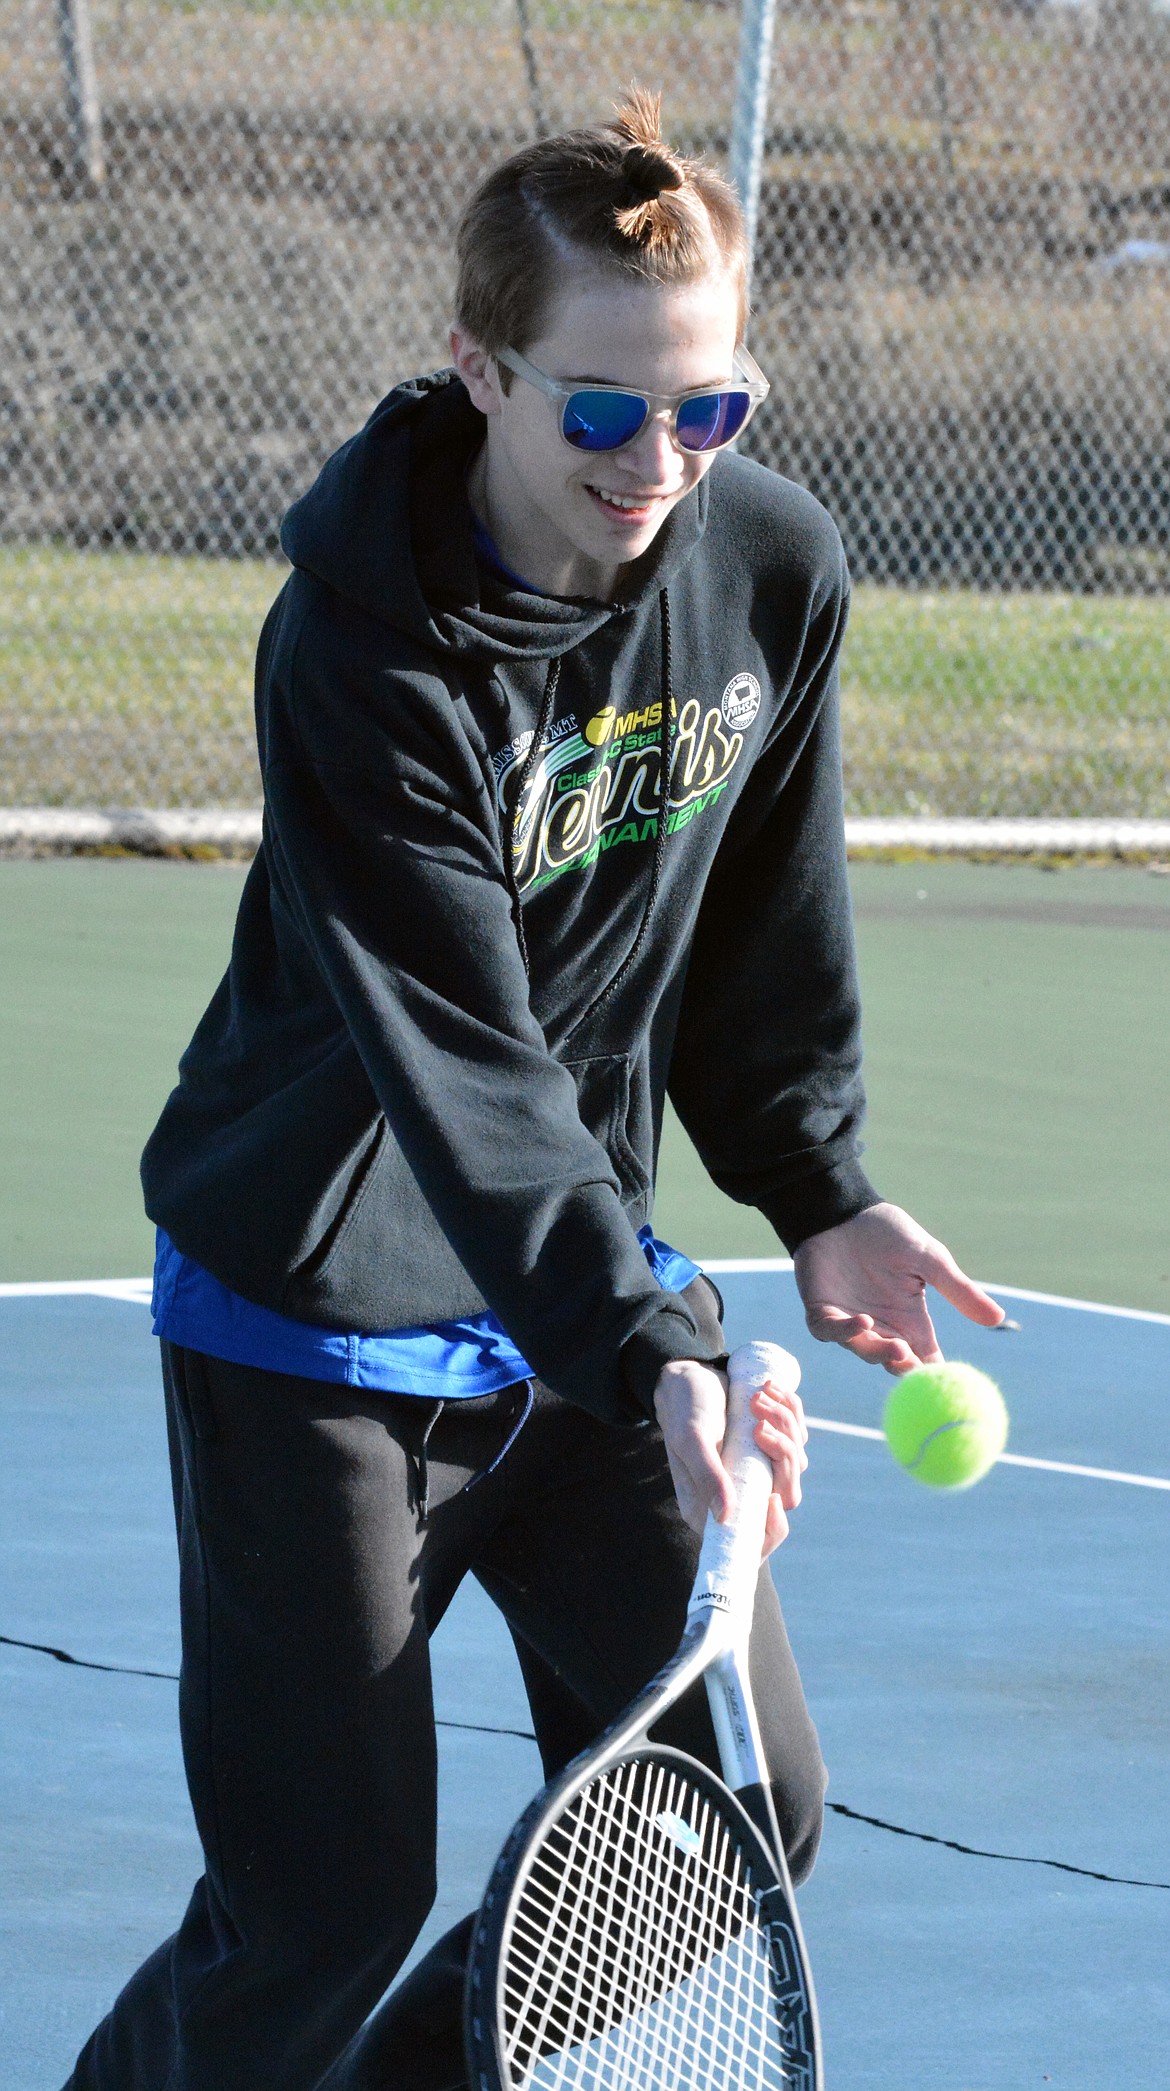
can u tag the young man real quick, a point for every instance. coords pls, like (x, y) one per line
(553, 825)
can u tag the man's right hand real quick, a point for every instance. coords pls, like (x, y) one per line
(690, 1402)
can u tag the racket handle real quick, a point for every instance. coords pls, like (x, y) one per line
(729, 1562)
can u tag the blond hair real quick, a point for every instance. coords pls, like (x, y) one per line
(617, 197)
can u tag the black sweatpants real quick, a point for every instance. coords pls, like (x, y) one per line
(310, 1583)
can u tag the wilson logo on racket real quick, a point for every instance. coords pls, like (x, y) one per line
(711, 1601)
(679, 1832)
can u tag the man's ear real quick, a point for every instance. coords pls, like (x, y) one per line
(477, 369)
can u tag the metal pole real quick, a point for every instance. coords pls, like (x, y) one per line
(539, 120)
(942, 99)
(750, 116)
(82, 107)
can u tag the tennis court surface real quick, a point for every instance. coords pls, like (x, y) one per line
(991, 1669)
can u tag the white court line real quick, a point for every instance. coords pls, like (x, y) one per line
(1006, 1459)
(1057, 1299)
(135, 1291)
(745, 1263)
(1010, 1292)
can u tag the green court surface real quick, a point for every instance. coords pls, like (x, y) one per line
(1016, 1028)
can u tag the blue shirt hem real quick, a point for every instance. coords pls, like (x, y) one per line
(451, 1361)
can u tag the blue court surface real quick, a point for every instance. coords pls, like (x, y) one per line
(990, 1668)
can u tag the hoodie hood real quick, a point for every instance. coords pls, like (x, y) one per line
(387, 525)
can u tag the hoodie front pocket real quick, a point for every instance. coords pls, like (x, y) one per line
(608, 1099)
(347, 1196)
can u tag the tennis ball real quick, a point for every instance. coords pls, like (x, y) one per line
(946, 1424)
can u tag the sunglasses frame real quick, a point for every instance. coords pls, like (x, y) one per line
(748, 378)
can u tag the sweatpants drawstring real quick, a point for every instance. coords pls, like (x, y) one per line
(509, 1441)
(417, 1455)
(416, 1451)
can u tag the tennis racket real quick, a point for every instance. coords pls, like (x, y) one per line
(639, 1931)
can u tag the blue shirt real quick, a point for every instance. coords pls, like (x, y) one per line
(451, 1361)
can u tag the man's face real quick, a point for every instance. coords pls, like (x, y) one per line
(569, 520)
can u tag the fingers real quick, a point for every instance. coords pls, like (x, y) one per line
(893, 1353)
(703, 1489)
(788, 1459)
(782, 1434)
(863, 1285)
(690, 1401)
(961, 1291)
(859, 1334)
(774, 1400)
(833, 1325)
(776, 1527)
(701, 1483)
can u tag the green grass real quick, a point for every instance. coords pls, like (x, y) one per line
(958, 702)
(127, 680)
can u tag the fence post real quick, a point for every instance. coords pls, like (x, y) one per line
(531, 72)
(750, 115)
(82, 107)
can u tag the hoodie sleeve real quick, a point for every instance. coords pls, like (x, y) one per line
(384, 844)
(766, 1071)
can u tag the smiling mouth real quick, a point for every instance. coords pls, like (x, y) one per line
(625, 504)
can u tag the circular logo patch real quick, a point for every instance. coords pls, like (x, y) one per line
(741, 700)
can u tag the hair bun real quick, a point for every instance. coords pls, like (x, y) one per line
(648, 171)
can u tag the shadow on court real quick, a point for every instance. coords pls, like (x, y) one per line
(991, 1668)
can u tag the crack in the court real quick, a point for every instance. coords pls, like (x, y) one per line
(875, 1822)
(81, 1662)
(974, 1851)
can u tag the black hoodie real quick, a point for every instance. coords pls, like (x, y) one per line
(472, 956)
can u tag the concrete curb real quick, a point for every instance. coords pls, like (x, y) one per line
(237, 830)
(1073, 838)
(135, 828)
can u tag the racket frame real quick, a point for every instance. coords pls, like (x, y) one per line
(714, 1647)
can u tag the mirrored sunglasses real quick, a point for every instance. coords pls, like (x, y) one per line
(605, 417)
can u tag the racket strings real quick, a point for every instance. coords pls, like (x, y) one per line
(589, 1864)
(648, 2046)
(637, 1955)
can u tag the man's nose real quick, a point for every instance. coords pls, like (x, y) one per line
(655, 452)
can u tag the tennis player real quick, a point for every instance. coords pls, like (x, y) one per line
(548, 728)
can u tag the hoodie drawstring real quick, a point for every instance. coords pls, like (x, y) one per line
(665, 743)
(665, 733)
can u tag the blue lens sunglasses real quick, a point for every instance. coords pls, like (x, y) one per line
(606, 417)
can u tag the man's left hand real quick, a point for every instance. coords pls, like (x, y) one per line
(864, 1286)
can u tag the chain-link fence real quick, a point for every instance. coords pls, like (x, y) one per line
(225, 232)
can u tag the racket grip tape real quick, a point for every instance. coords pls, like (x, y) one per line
(729, 1561)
